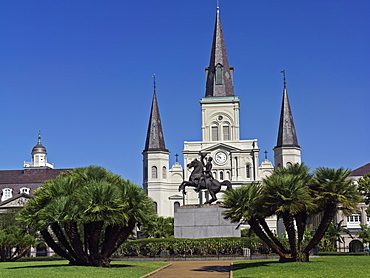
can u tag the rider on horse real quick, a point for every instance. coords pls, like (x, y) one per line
(207, 173)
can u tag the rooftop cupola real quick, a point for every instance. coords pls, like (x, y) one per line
(39, 159)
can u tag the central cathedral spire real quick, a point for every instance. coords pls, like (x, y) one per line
(219, 81)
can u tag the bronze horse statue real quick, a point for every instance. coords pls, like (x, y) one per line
(212, 185)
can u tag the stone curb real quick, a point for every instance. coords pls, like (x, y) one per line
(155, 271)
(231, 270)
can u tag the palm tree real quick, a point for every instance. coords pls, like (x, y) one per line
(287, 195)
(301, 171)
(332, 189)
(85, 214)
(244, 206)
(160, 227)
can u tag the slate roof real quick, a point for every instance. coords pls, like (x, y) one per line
(219, 57)
(361, 171)
(154, 137)
(31, 178)
(287, 136)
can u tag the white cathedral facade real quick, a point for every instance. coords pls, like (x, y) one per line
(234, 159)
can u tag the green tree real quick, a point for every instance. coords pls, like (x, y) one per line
(15, 238)
(159, 227)
(292, 194)
(364, 187)
(332, 189)
(286, 194)
(85, 214)
(333, 235)
(364, 233)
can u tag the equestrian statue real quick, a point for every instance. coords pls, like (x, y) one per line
(201, 178)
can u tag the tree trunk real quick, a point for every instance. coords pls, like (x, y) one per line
(53, 245)
(110, 238)
(289, 226)
(122, 235)
(259, 232)
(266, 228)
(74, 237)
(94, 230)
(300, 219)
(57, 230)
(328, 216)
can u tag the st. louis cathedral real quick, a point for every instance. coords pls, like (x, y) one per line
(233, 159)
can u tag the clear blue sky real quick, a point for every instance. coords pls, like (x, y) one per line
(81, 72)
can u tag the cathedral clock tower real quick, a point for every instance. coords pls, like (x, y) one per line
(233, 159)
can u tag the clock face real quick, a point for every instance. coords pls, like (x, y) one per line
(220, 157)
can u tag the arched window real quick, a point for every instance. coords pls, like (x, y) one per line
(176, 205)
(164, 172)
(154, 172)
(221, 175)
(226, 132)
(214, 175)
(248, 171)
(214, 133)
(228, 175)
(155, 207)
(25, 190)
(288, 164)
(7, 193)
(219, 74)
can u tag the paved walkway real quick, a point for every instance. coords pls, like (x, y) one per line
(189, 269)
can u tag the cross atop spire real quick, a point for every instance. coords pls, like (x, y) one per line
(39, 138)
(154, 137)
(287, 135)
(219, 81)
(154, 85)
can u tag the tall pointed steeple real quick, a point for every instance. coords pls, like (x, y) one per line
(219, 81)
(287, 151)
(154, 137)
(287, 136)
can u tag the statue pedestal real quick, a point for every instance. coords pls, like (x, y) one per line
(203, 221)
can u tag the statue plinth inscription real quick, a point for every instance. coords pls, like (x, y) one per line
(203, 221)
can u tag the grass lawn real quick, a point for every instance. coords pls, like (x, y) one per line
(339, 266)
(56, 269)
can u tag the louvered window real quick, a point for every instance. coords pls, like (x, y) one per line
(226, 132)
(219, 75)
(214, 133)
(154, 172)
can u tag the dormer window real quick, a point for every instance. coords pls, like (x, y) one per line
(25, 190)
(219, 80)
(7, 193)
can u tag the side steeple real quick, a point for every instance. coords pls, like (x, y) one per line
(287, 135)
(287, 150)
(156, 159)
(219, 81)
(154, 137)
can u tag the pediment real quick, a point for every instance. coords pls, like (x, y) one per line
(17, 201)
(223, 146)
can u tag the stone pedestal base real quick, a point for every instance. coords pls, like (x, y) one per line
(203, 221)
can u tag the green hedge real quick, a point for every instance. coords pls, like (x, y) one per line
(191, 247)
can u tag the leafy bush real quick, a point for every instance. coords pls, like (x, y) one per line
(191, 247)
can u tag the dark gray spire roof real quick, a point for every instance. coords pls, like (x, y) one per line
(219, 81)
(287, 136)
(154, 137)
(39, 148)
